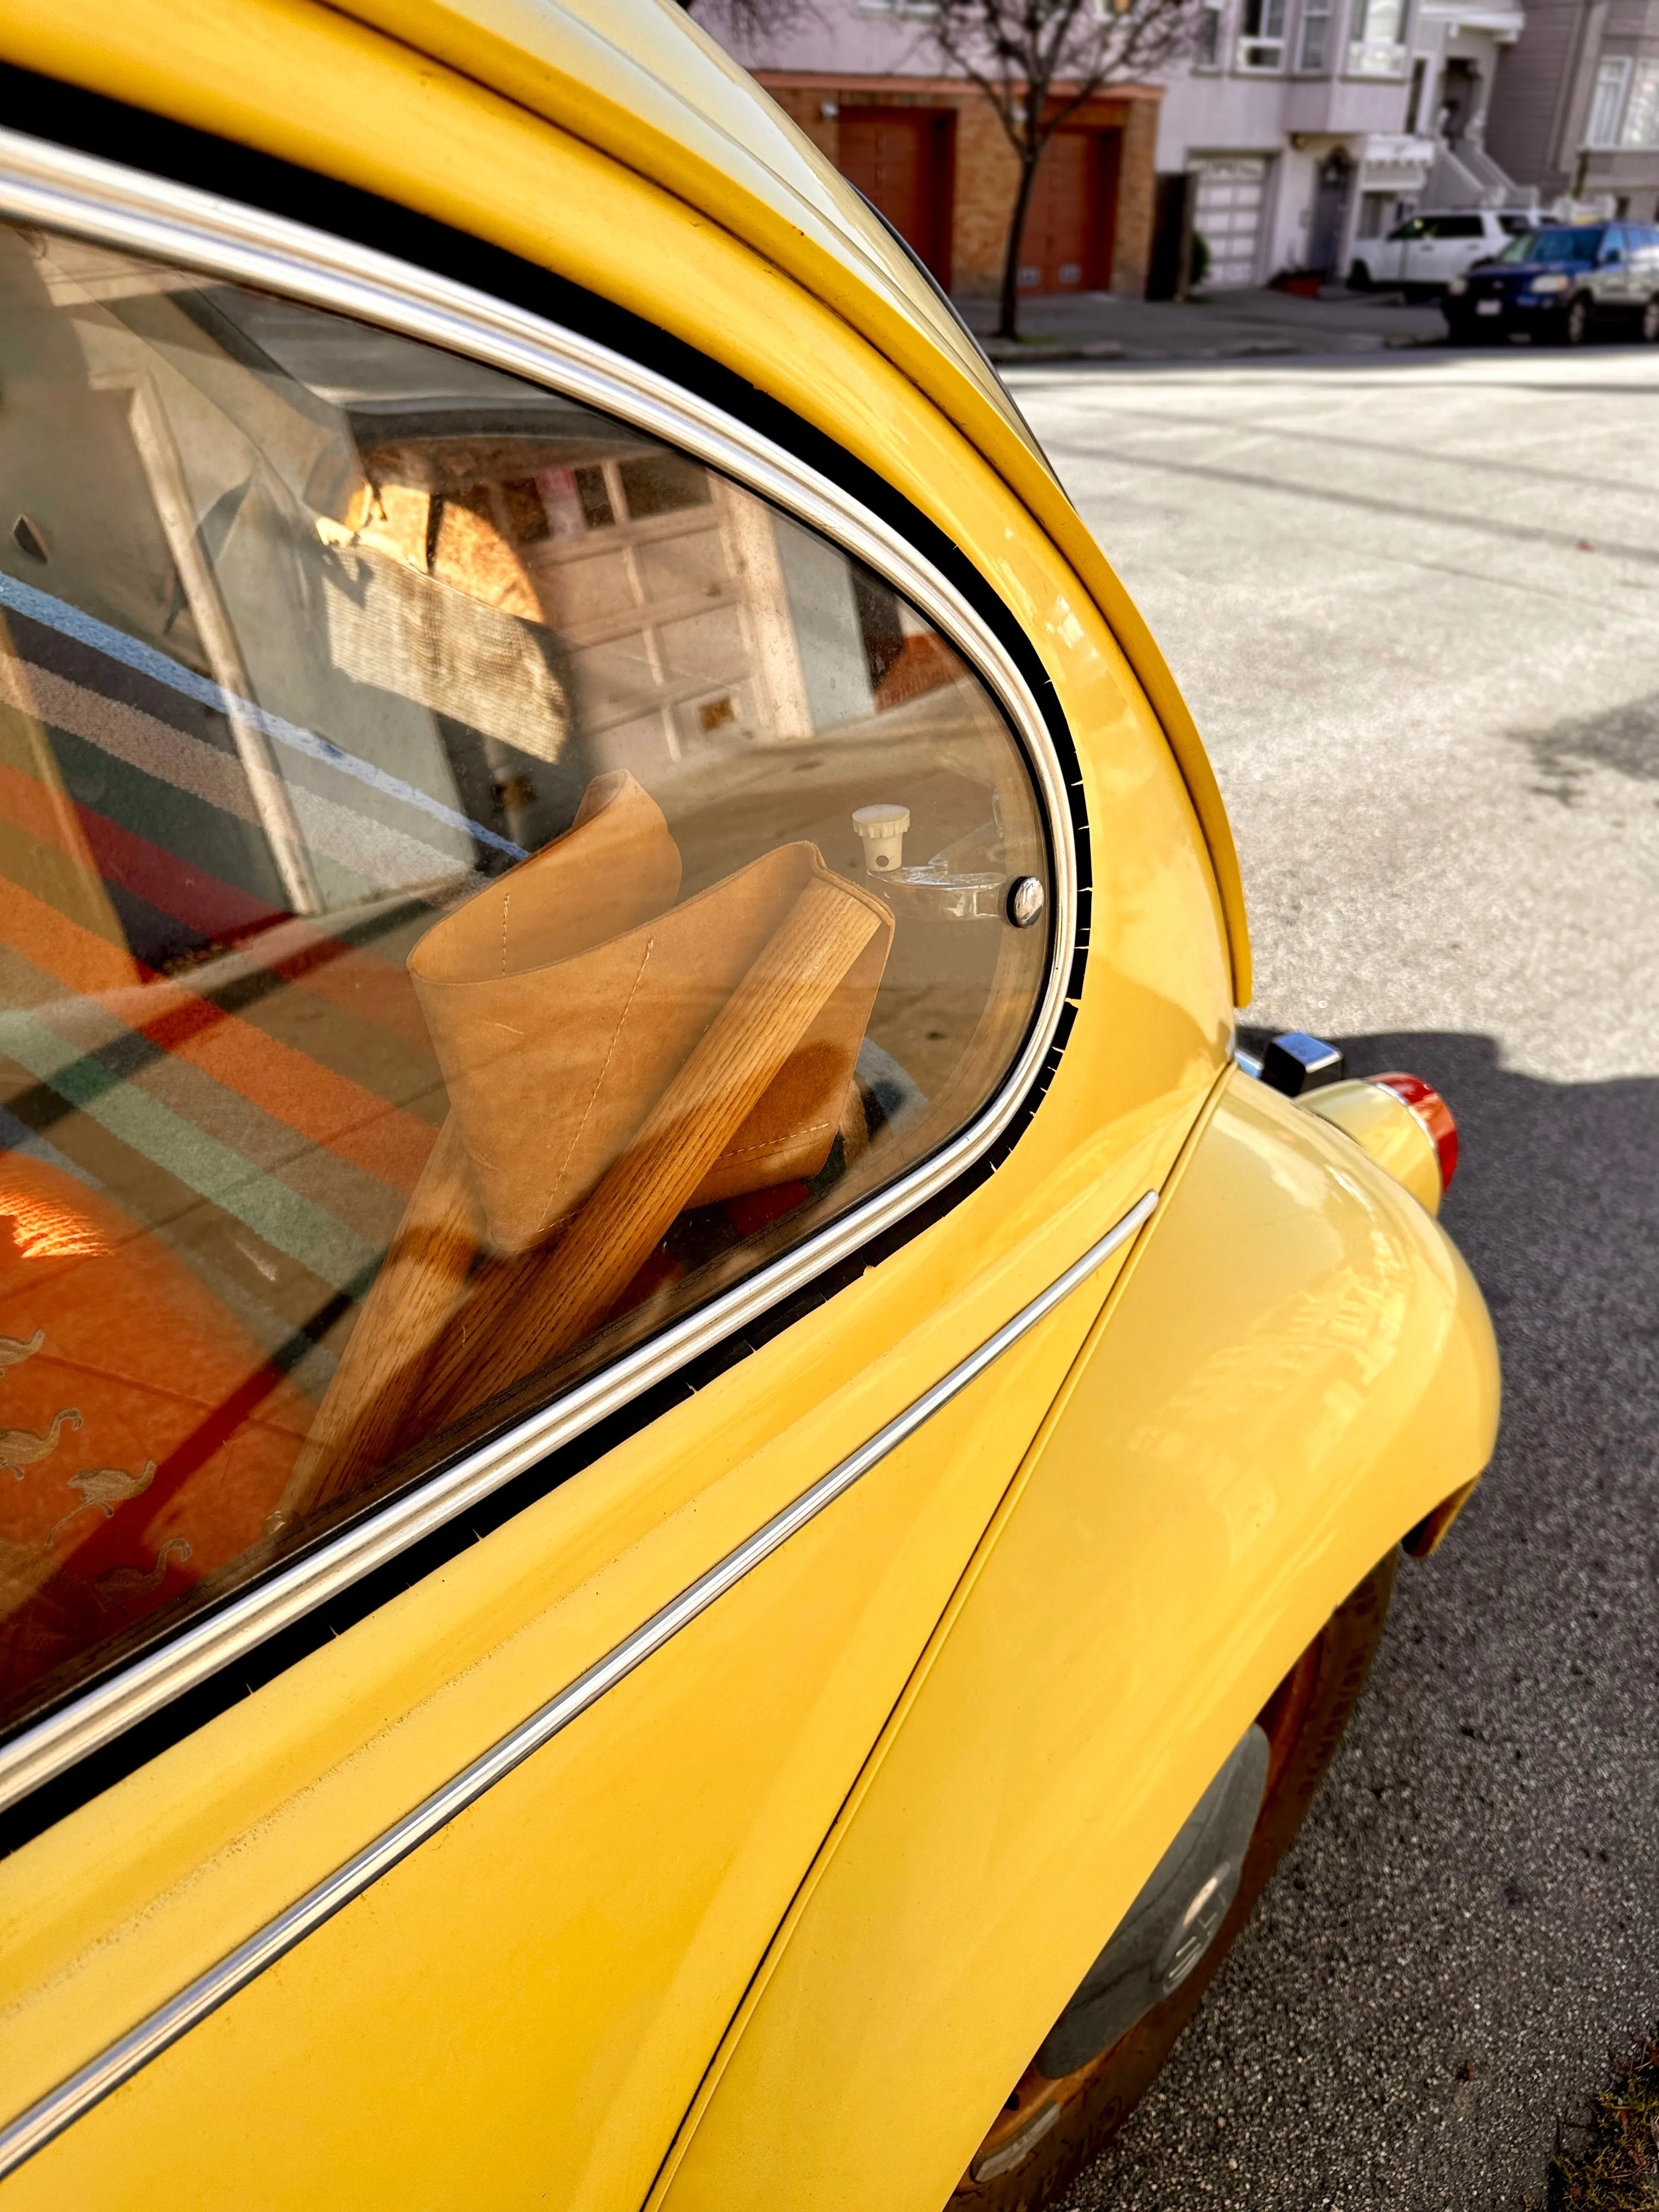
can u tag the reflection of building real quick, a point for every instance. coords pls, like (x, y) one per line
(929, 151)
(1575, 108)
(1307, 124)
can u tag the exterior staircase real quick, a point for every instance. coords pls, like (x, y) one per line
(1464, 175)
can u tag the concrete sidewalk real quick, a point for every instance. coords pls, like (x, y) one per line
(1218, 327)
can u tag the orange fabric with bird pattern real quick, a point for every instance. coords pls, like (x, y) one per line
(143, 1436)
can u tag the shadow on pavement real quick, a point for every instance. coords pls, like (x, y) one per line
(1470, 1918)
(1625, 738)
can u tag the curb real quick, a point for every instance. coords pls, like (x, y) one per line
(1012, 350)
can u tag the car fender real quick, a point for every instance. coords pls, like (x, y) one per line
(1295, 1368)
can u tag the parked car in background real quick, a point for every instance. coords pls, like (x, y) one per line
(1561, 285)
(1423, 254)
(693, 1478)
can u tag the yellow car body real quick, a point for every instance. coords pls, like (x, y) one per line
(776, 1913)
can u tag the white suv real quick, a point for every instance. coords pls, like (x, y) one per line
(1421, 255)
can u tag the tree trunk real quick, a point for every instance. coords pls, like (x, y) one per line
(1008, 323)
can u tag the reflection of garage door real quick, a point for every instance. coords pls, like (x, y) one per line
(1227, 214)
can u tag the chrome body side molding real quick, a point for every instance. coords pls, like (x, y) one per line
(33, 2129)
(120, 208)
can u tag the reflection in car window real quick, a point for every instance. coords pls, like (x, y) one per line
(473, 883)
(1563, 245)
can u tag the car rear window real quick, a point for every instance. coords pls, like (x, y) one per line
(474, 883)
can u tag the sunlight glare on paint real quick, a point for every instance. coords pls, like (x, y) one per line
(41, 1231)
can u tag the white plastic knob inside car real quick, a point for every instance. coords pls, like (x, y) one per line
(882, 828)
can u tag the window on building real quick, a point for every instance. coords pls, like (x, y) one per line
(1261, 40)
(1206, 52)
(1377, 21)
(1606, 105)
(1374, 48)
(1314, 51)
(1641, 125)
(476, 883)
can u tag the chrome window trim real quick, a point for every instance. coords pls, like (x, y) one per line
(60, 189)
(32, 2131)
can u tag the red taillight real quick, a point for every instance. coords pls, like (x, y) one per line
(1432, 1111)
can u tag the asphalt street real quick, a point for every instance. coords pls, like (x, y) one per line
(1414, 601)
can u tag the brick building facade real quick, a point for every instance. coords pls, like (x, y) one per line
(931, 154)
(929, 151)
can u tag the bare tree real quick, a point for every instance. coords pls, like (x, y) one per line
(1038, 61)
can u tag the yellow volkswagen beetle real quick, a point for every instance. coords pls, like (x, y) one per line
(691, 1482)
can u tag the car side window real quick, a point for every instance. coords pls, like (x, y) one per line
(1461, 226)
(474, 883)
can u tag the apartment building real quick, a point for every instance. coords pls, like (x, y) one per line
(1575, 108)
(1310, 125)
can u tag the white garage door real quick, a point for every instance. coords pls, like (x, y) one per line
(1228, 216)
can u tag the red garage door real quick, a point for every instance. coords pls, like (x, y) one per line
(901, 160)
(1067, 247)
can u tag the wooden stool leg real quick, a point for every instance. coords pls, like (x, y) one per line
(384, 1366)
(551, 1300)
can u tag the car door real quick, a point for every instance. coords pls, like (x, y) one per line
(1452, 242)
(519, 946)
(1611, 281)
(1426, 251)
(1417, 250)
(1644, 268)
(1393, 252)
(1469, 239)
